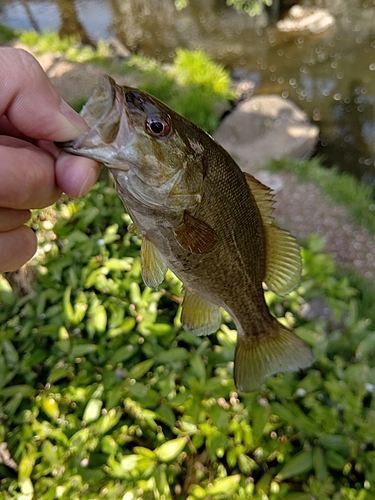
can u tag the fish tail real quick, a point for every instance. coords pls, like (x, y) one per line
(278, 350)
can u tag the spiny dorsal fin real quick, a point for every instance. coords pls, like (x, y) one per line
(153, 264)
(283, 260)
(263, 197)
(199, 316)
(277, 351)
(195, 235)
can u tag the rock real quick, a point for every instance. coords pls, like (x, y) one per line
(265, 128)
(300, 18)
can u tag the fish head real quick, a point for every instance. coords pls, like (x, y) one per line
(142, 141)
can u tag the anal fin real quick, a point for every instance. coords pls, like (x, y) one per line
(277, 351)
(199, 316)
(153, 264)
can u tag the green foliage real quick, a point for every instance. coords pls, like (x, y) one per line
(7, 34)
(194, 86)
(71, 47)
(341, 187)
(251, 7)
(48, 41)
(103, 395)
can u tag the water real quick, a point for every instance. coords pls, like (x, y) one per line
(330, 75)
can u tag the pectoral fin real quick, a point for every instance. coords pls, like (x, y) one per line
(153, 264)
(199, 316)
(277, 351)
(283, 260)
(195, 235)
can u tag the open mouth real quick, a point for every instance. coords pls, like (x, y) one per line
(102, 113)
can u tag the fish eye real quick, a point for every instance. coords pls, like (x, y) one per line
(157, 126)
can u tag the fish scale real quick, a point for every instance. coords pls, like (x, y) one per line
(203, 218)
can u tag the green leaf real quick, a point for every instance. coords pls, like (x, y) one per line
(122, 354)
(80, 350)
(10, 353)
(366, 346)
(299, 464)
(130, 462)
(79, 438)
(334, 460)
(335, 442)
(170, 450)
(25, 391)
(26, 465)
(246, 464)
(198, 367)
(100, 319)
(50, 408)
(92, 410)
(141, 369)
(49, 452)
(106, 422)
(68, 308)
(161, 481)
(319, 464)
(145, 452)
(226, 486)
(172, 355)
(117, 265)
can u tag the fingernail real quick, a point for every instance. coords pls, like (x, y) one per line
(74, 118)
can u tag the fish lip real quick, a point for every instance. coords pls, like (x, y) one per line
(102, 104)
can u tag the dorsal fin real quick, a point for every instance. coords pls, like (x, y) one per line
(283, 260)
(263, 197)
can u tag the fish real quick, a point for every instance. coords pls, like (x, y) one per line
(202, 217)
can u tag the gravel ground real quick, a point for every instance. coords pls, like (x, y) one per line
(303, 209)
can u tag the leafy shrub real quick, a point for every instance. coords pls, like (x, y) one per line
(7, 34)
(103, 395)
(194, 86)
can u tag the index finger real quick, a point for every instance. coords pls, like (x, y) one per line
(30, 102)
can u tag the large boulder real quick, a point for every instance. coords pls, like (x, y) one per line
(300, 18)
(264, 128)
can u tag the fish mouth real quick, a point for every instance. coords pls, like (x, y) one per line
(104, 114)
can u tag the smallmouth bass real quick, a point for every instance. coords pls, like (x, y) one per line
(203, 218)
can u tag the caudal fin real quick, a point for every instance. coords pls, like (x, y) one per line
(278, 351)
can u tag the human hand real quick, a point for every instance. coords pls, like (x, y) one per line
(33, 171)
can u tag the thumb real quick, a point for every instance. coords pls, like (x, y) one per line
(30, 102)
